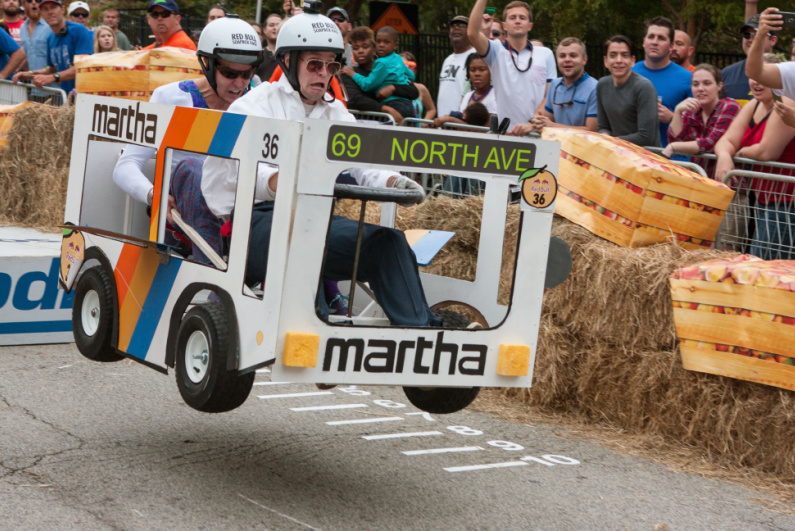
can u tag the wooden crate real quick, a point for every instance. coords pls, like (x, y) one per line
(7, 119)
(736, 318)
(633, 197)
(134, 75)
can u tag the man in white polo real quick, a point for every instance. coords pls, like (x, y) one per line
(521, 72)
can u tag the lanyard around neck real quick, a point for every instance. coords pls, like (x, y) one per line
(511, 50)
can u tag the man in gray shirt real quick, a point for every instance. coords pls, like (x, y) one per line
(626, 101)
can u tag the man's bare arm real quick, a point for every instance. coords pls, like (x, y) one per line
(476, 37)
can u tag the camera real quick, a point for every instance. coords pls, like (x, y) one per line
(313, 6)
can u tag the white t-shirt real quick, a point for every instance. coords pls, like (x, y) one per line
(489, 100)
(273, 100)
(519, 94)
(127, 174)
(787, 79)
(451, 83)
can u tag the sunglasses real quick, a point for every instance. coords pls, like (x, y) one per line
(160, 14)
(231, 73)
(496, 33)
(314, 66)
(79, 15)
(751, 34)
(338, 19)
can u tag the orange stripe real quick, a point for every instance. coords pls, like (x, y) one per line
(125, 267)
(140, 282)
(177, 133)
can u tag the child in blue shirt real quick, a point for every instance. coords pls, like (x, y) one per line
(388, 69)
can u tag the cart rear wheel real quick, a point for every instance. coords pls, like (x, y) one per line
(93, 315)
(444, 400)
(202, 352)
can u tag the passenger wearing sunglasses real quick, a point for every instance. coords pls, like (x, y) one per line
(228, 64)
(163, 17)
(66, 40)
(309, 59)
(571, 101)
(735, 81)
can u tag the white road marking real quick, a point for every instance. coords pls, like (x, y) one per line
(271, 383)
(400, 435)
(363, 421)
(277, 512)
(483, 467)
(325, 408)
(443, 450)
(296, 395)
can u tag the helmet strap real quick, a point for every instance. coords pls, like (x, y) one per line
(209, 71)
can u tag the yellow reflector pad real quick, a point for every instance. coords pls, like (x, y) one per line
(300, 350)
(513, 360)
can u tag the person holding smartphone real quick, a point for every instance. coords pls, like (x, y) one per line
(781, 76)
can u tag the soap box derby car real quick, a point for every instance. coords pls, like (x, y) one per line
(137, 297)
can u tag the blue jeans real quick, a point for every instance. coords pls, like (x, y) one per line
(774, 236)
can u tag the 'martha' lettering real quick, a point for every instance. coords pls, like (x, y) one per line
(125, 123)
(384, 355)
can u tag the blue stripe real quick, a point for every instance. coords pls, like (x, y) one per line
(226, 134)
(153, 308)
(32, 327)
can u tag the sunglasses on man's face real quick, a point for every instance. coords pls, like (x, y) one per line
(231, 73)
(338, 19)
(750, 34)
(79, 14)
(160, 14)
(313, 66)
(496, 33)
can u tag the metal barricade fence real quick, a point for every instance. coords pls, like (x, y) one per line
(761, 218)
(13, 93)
(381, 117)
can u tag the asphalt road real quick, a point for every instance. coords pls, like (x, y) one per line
(90, 446)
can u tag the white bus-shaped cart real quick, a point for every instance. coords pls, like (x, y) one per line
(136, 297)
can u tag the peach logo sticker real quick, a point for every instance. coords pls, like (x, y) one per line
(539, 187)
(72, 251)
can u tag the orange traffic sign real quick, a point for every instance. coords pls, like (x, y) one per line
(394, 17)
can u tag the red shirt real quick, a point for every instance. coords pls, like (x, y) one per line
(767, 191)
(179, 40)
(13, 27)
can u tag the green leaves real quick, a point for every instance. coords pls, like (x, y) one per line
(532, 172)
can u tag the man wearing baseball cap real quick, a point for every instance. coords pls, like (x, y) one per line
(163, 17)
(453, 74)
(340, 18)
(735, 82)
(78, 12)
(67, 40)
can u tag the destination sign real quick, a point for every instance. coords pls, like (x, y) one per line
(401, 147)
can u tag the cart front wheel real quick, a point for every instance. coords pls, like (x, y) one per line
(202, 352)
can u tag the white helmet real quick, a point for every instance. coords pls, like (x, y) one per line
(306, 32)
(230, 39)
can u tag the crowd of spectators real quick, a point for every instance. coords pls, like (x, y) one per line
(665, 101)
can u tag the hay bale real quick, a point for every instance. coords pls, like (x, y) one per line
(619, 295)
(35, 169)
(649, 392)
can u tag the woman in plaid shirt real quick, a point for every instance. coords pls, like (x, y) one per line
(700, 121)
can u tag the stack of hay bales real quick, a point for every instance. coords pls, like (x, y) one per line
(7, 113)
(607, 343)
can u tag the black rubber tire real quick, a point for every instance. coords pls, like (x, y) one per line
(218, 390)
(451, 319)
(95, 344)
(444, 400)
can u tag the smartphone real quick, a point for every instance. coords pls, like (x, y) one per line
(788, 19)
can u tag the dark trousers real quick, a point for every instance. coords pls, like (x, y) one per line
(386, 262)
